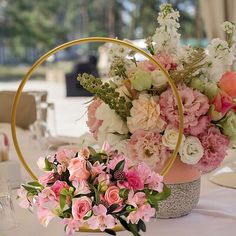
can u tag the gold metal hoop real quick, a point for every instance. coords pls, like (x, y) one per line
(90, 40)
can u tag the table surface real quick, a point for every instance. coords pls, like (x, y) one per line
(215, 213)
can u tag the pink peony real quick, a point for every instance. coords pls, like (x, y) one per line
(80, 207)
(215, 146)
(93, 123)
(64, 156)
(112, 195)
(100, 219)
(72, 226)
(78, 169)
(228, 83)
(195, 108)
(47, 178)
(134, 180)
(146, 146)
(58, 186)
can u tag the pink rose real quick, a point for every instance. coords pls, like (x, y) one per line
(80, 207)
(112, 196)
(228, 83)
(58, 186)
(93, 123)
(134, 180)
(78, 169)
(48, 178)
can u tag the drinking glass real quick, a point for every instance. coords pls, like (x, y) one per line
(7, 212)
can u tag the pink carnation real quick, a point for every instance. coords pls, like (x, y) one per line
(215, 146)
(146, 146)
(195, 108)
(134, 180)
(93, 123)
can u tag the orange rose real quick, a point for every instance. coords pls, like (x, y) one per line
(227, 83)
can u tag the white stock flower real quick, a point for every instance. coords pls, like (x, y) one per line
(113, 128)
(228, 27)
(191, 151)
(170, 137)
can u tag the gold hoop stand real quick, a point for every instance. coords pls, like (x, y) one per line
(90, 40)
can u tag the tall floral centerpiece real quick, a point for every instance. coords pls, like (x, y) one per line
(137, 112)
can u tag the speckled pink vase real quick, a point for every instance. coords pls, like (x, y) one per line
(184, 182)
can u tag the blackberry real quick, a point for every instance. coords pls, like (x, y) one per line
(119, 175)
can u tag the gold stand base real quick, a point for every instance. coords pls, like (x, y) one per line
(86, 228)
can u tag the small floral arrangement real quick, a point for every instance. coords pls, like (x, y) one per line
(94, 189)
(137, 112)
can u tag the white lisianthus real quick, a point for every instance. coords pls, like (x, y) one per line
(191, 151)
(41, 163)
(113, 128)
(170, 137)
(158, 79)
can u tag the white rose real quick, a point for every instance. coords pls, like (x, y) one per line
(170, 137)
(113, 128)
(191, 151)
(158, 79)
(41, 163)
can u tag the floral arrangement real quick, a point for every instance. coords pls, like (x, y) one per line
(137, 112)
(94, 189)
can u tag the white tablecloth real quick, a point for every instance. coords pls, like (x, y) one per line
(214, 215)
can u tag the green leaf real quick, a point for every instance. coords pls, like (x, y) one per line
(96, 194)
(134, 229)
(120, 165)
(124, 223)
(164, 194)
(113, 207)
(92, 151)
(110, 231)
(48, 165)
(62, 201)
(65, 192)
(30, 189)
(35, 184)
(141, 226)
(124, 193)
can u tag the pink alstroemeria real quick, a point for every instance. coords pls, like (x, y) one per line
(45, 197)
(71, 226)
(47, 178)
(113, 162)
(97, 168)
(155, 182)
(45, 216)
(22, 195)
(145, 212)
(64, 156)
(136, 199)
(100, 219)
(81, 187)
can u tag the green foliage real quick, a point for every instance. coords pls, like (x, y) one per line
(107, 93)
